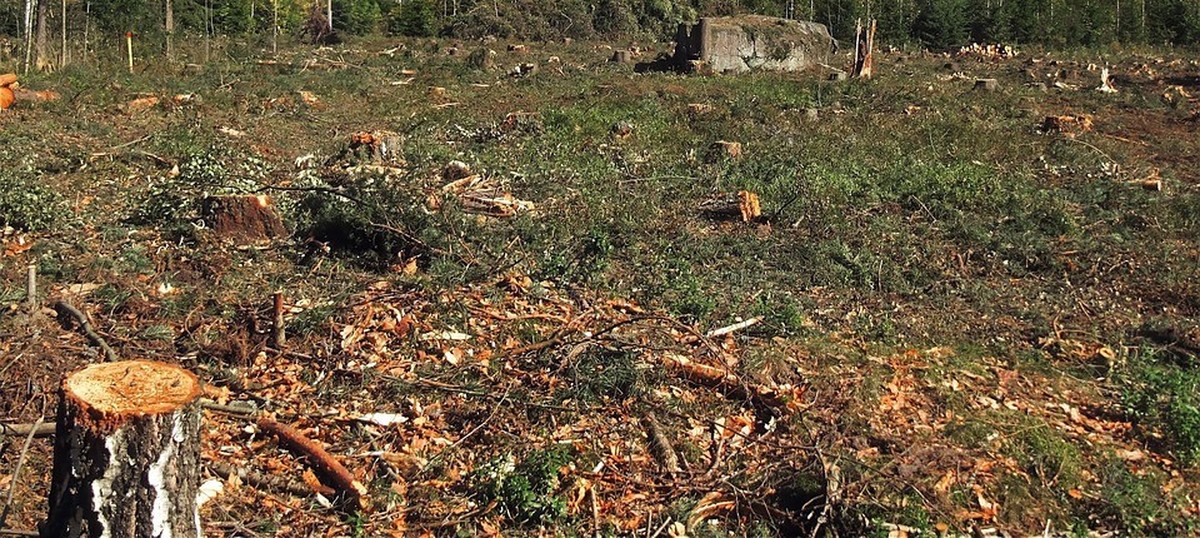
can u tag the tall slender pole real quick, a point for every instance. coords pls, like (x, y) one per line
(63, 57)
(31, 287)
(275, 27)
(28, 34)
(129, 49)
(207, 30)
(169, 23)
(87, 24)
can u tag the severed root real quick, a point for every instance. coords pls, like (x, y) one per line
(328, 468)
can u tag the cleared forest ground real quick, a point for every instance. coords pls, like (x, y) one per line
(975, 309)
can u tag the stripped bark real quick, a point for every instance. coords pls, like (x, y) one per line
(328, 469)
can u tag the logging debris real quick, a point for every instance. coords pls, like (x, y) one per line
(477, 194)
(1069, 124)
(329, 468)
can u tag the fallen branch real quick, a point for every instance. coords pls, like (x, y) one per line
(280, 327)
(330, 469)
(65, 309)
(273, 483)
(234, 410)
(12, 485)
(723, 380)
(44, 429)
(660, 445)
(37, 429)
(733, 328)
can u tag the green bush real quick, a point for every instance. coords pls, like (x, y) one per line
(26, 203)
(1136, 503)
(528, 491)
(1164, 397)
(614, 17)
(377, 219)
(175, 199)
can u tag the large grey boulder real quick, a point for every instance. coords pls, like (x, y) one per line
(746, 42)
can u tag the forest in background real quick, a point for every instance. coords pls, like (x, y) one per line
(931, 23)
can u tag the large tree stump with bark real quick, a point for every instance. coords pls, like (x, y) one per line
(127, 453)
(243, 219)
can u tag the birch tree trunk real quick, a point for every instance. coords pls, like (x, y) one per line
(126, 453)
(43, 13)
(169, 24)
(28, 35)
(62, 62)
(274, 27)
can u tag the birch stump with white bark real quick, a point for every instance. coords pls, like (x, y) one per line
(127, 453)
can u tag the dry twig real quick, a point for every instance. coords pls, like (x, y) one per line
(65, 309)
(12, 485)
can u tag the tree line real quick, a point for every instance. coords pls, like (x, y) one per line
(50, 29)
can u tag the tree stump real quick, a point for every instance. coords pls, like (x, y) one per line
(987, 84)
(742, 204)
(127, 453)
(243, 219)
(722, 150)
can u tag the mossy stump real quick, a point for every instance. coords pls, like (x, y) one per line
(126, 453)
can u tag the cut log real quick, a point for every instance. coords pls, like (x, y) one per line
(743, 205)
(725, 381)
(7, 97)
(126, 453)
(480, 195)
(243, 219)
(660, 445)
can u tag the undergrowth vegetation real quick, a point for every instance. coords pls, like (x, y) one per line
(962, 296)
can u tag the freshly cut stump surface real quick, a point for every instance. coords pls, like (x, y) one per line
(127, 453)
